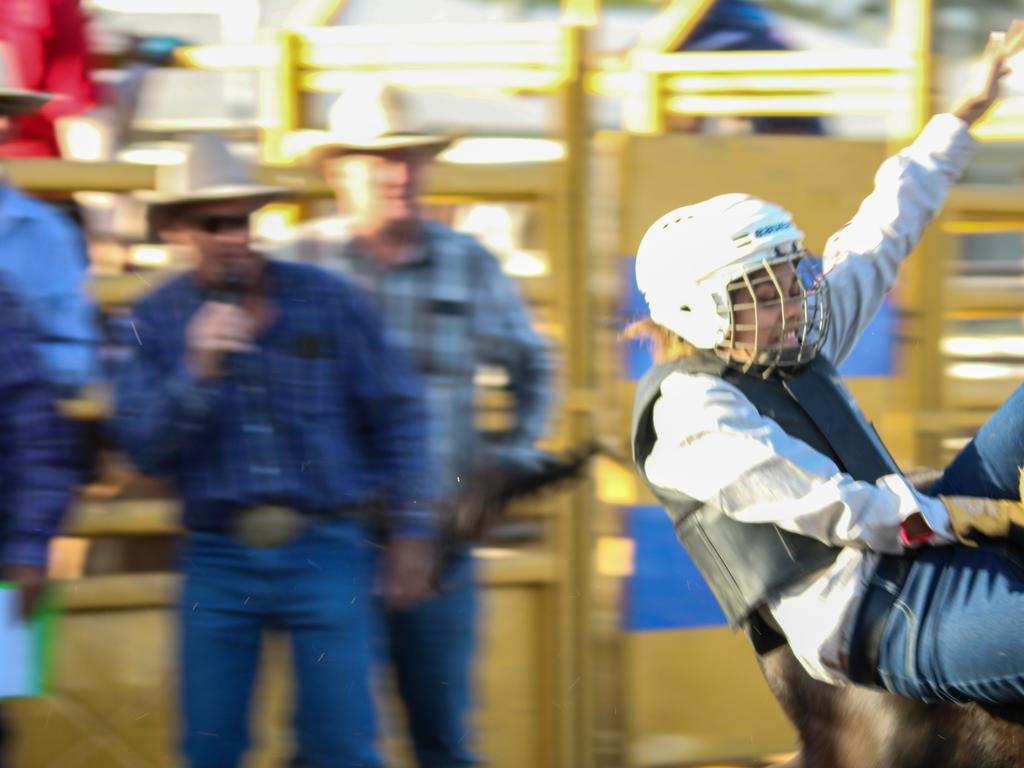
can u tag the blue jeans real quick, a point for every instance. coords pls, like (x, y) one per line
(318, 589)
(954, 632)
(431, 648)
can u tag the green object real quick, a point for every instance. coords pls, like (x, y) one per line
(42, 628)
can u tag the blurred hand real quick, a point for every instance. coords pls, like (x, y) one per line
(506, 473)
(31, 581)
(513, 458)
(408, 572)
(985, 91)
(215, 330)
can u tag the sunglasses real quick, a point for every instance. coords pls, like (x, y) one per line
(217, 224)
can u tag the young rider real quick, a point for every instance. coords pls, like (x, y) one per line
(780, 490)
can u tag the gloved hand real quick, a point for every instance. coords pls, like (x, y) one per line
(974, 517)
(986, 87)
(31, 581)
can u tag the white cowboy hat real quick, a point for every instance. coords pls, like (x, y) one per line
(15, 100)
(372, 117)
(208, 173)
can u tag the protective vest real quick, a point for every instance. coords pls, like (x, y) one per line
(745, 564)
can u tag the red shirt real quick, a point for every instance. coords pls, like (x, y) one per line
(49, 41)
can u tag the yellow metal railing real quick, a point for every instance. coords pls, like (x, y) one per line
(962, 376)
(653, 81)
(483, 58)
(855, 82)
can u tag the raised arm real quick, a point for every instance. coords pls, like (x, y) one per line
(862, 259)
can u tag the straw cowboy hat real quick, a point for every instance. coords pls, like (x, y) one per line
(370, 117)
(208, 173)
(15, 100)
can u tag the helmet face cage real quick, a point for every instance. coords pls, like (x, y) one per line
(778, 314)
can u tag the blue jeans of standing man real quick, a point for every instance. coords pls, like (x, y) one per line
(431, 648)
(954, 631)
(318, 590)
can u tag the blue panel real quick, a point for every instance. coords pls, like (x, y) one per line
(638, 359)
(637, 354)
(665, 591)
(875, 351)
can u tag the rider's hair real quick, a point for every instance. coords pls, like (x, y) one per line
(665, 345)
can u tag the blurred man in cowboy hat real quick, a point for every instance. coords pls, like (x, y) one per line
(267, 391)
(36, 457)
(446, 301)
(43, 258)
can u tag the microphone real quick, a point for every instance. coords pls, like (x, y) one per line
(231, 286)
(229, 290)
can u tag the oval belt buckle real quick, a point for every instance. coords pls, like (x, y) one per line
(268, 526)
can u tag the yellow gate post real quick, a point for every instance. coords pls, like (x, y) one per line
(921, 292)
(573, 529)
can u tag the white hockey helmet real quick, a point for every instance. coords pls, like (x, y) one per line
(698, 266)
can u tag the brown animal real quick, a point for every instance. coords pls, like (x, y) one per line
(855, 727)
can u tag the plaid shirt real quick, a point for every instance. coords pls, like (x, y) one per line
(321, 415)
(453, 310)
(37, 463)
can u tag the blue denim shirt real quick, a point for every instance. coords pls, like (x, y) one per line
(321, 414)
(37, 461)
(43, 259)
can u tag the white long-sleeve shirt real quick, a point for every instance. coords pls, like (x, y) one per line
(714, 446)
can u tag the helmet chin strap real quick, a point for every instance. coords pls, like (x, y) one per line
(768, 362)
